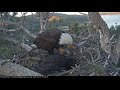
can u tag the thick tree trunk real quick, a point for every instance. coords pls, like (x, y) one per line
(100, 24)
(117, 52)
(43, 16)
(11, 69)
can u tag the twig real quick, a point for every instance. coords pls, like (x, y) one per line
(115, 74)
(83, 13)
(93, 74)
(98, 56)
(86, 38)
(106, 63)
(9, 30)
(109, 56)
(112, 37)
(90, 55)
(81, 43)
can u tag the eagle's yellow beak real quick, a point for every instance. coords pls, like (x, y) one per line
(61, 50)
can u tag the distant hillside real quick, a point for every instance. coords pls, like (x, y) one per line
(79, 18)
(33, 24)
(109, 13)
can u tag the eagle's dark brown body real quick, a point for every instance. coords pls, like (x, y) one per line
(48, 40)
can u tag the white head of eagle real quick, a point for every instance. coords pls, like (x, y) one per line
(51, 39)
(65, 39)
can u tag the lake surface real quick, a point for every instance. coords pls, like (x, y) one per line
(111, 19)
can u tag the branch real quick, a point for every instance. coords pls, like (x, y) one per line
(83, 40)
(51, 15)
(90, 54)
(11, 69)
(20, 27)
(28, 32)
(9, 30)
(23, 45)
(112, 37)
(86, 37)
(93, 74)
(81, 43)
(83, 13)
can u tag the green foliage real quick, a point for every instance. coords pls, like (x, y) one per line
(7, 15)
(74, 27)
(7, 49)
(31, 23)
(115, 30)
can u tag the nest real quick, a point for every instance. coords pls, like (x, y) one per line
(74, 62)
(88, 59)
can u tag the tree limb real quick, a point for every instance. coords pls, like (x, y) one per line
(11, 69)
(28, 32)
(20, 27)
(22, 45)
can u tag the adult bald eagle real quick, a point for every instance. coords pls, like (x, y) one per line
(51, 39)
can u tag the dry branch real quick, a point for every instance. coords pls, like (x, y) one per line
(22, 45)
(20, 27)
(11, 69)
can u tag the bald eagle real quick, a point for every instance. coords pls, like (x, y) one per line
(51, 39)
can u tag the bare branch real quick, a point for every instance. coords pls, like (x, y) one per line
(112, 37)
(90, 55)
(51, 15)
(106, 63)
(9, 30)
(28, 32)
(23, 45)
(92, 74)
(20, 26)
(23, 15)
(81, 43)
(11, 69)
(83, 13)
(115, 74)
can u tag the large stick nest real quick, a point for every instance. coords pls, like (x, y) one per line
(88, 59)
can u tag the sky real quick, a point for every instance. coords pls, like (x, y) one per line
(76, 13)
(68, 13)
(72, 13)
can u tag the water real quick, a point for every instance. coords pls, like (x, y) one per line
(111, 19)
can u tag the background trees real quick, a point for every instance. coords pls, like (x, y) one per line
(89, 31)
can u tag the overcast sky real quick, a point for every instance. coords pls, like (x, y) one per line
(69, 13)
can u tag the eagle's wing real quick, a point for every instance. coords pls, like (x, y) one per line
(44, 41)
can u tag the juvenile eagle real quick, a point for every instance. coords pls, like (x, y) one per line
(51, 39)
